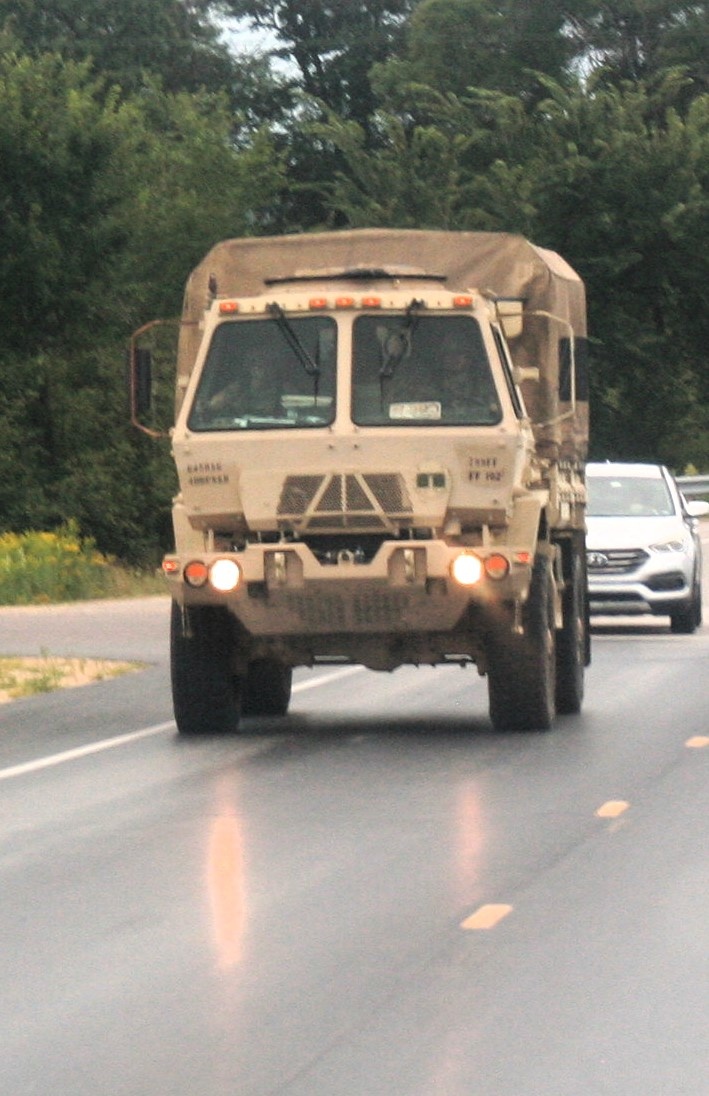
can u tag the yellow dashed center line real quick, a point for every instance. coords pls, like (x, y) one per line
(486, 917)
(612, 808)
(697, 741)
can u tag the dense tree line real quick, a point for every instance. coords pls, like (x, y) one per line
(133, 135)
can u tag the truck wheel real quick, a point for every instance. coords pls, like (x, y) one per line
(522, 671)
(571, 641)
(205, 694)
(267, 688)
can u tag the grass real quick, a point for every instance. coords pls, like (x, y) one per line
(20, 677)
(43, 568)
(40, 568)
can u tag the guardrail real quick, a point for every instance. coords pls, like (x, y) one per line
(693, 486)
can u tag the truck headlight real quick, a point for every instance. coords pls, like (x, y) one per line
(467, 569)
(225, 575)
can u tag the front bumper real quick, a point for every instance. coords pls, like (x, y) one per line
(657, 592)
(407, 587)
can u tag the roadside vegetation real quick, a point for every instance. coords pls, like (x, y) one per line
(39, 568)
(20, 677)
(135, 136)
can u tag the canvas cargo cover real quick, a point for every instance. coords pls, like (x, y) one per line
(497, 264)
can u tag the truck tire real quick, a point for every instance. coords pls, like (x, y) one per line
(571, 640)
(205, 693)
(522, 669)
(267, 688)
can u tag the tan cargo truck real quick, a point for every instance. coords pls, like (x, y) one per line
(380, 438)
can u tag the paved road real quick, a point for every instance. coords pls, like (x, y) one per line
(375, 896)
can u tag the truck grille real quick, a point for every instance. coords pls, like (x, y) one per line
(344, 501)
(615, 561)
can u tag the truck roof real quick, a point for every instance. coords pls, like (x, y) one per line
(501, 263)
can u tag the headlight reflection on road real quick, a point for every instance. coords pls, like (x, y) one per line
(470, 841)
(225, 879)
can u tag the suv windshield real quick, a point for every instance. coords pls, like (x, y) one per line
(628, 496)
(261, 376)
(421, 370)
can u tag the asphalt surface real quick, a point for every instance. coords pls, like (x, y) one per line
(374, 896)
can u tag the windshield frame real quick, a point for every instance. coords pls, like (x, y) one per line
(253, 377)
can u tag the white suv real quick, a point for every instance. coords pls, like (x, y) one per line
(644, 553)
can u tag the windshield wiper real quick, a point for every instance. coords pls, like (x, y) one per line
(397, 345)
(309, 364)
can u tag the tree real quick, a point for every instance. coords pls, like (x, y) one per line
(452, 45)
(620, 40)
(332, 45)
(127, 40)
(107, 204)
(57, 197)
(621, 184)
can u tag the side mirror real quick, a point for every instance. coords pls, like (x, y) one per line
(141, 381)
(510, 314)
(150, 370)
(697, 508)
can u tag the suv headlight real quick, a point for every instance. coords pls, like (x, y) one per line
(682, 545)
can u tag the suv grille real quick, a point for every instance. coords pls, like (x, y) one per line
(615, 561)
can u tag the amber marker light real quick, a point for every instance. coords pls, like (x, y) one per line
(371, 302)
(170, 567)
(522, 557)
(196, 573)
(225, 575)
(463, 300)
(344, 302)
(467, 569)
(227, 308)
(497, 566)
(317, 303)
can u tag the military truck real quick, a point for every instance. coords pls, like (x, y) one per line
(380, 438)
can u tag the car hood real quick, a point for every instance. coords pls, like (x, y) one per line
(624, 532)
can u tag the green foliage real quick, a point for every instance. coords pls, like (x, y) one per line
(456, 44)
(58, 199)
(39, 567)
(107, 204)
(332, 45)
(126, 40)
(635, 40)
(410, 180)
(130, 142)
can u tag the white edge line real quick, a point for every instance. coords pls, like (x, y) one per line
(325, 678)
(83, 751)
(134, 736)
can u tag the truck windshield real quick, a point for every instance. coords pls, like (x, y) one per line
(253, 377)
(433, 373)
